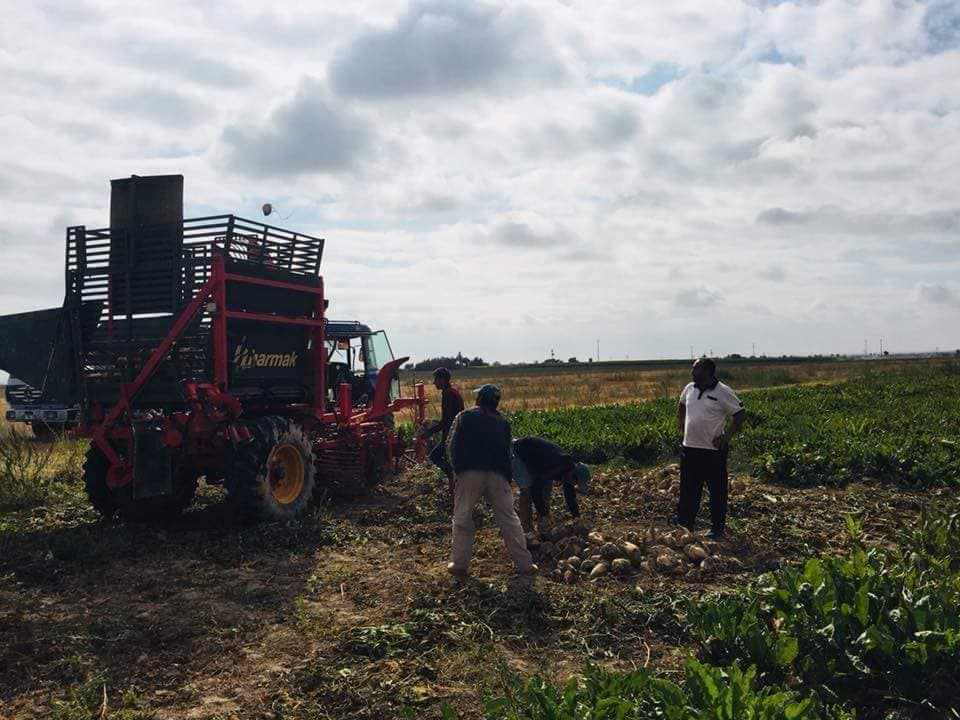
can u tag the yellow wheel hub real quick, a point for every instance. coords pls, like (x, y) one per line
(286, 473)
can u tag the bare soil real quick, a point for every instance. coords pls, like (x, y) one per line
(349, 612)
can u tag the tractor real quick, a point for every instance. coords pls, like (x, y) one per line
(200, 348)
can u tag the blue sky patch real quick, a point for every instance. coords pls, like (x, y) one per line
(773, 56)
(660, 74)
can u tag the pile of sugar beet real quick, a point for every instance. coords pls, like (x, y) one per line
(575, 555)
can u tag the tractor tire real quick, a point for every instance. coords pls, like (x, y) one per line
(273, 476)
(95, 467)
(163, 508)
(109, 502)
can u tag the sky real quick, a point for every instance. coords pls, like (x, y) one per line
(512, 180)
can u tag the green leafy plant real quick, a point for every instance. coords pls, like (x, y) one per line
(874, 624)
(900, 427)
(708, 693)
(92, 699)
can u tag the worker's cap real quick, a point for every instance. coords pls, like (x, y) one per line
(582, 473)
(488, 395)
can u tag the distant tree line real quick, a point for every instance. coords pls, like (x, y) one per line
(451, 363)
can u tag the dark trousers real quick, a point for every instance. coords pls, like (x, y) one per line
(699, 466)
(438, 456)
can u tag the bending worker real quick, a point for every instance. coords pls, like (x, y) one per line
(538, 463)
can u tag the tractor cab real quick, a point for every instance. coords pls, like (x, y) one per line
(355, 355)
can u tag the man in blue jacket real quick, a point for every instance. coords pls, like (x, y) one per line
(478, 449)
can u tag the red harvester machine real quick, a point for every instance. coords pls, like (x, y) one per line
(197, 348)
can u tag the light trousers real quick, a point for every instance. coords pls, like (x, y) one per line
(468, 488)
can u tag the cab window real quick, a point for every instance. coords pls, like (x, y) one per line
(377, 351)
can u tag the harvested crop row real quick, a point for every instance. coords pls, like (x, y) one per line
(572, 558)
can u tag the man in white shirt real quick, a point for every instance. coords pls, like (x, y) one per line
(705, 405)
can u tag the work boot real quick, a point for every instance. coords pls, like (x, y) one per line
(532, 570)
(457, 571)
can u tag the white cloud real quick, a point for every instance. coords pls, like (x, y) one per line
(612, 168)
(697, 298)
(310, 133)
(934, 294)
(774, 273)
(528, 230)
(442, 47)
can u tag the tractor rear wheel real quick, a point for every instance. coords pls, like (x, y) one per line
(272, 477)
(109, 502)
(95, 469)
(162, 508)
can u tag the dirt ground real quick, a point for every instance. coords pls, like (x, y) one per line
(349, 612)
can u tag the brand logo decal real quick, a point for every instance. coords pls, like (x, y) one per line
(246, 357)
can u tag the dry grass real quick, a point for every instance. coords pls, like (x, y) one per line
(35, 473)
(546, 386)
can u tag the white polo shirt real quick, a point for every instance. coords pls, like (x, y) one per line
(706, 412)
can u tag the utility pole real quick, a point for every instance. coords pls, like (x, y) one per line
(881, 347)
(598, 349)
(753, 352)
(864, 347)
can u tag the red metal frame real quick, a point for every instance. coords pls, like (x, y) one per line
(214, 412)
(319, 347)
(218, 276)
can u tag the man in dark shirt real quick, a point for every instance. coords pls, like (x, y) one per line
(451, 403)
(538, 464)
(478, 448)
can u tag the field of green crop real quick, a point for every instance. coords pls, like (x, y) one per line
(873, 629)
(896, 426)
(873, 632)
